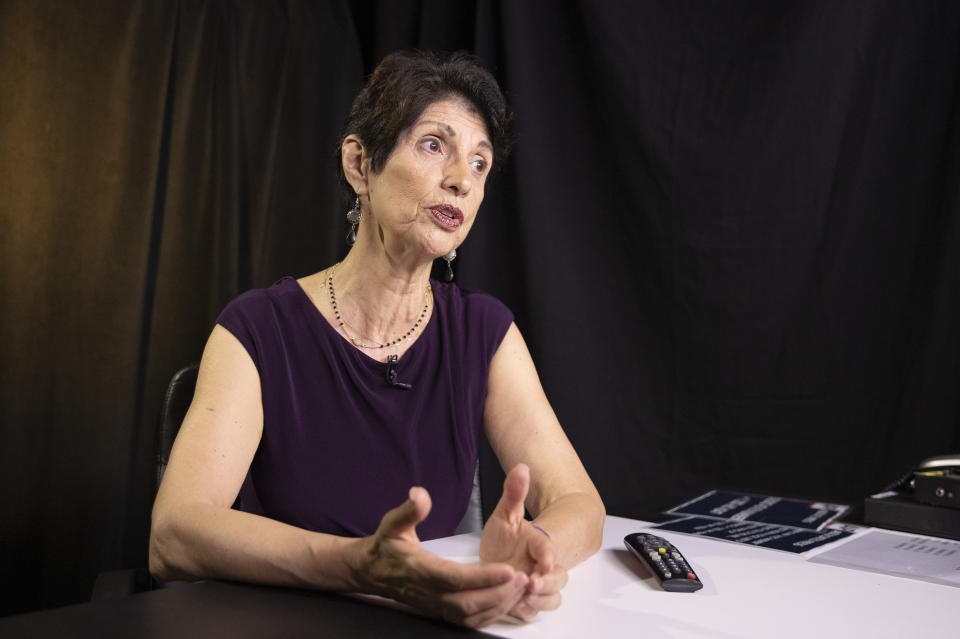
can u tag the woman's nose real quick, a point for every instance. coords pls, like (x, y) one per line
(457, 178)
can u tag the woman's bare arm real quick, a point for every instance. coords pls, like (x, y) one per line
(195, 534)
(545, 475)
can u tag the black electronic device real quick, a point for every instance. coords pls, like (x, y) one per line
(926, 500)
(934, 481)
(664, 561)
(937, 488)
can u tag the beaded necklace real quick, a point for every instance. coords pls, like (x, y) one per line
(356, 340)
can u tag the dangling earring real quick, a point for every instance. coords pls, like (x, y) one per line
(353, 218)
(449, 257)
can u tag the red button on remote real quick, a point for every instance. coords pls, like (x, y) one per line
(690, 575)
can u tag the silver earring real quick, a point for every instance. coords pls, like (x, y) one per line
(353, 218)
(449, 257)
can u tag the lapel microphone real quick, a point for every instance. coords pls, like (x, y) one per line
(392, 374)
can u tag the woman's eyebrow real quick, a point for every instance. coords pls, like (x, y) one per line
(443, 125)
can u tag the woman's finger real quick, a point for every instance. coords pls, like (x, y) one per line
(515, 488)
(524, 610)
(402, 520)
(552, 582)
(549, 601)
(528, 607)
(543, 593)
(540, 549)
(477, 608)
(449, 576)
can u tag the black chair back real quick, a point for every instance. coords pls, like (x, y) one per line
(176, 401)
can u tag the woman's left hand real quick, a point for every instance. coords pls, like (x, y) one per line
(509, 538)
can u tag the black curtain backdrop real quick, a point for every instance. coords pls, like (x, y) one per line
(729, 232)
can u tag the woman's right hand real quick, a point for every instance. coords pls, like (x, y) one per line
(394, 564)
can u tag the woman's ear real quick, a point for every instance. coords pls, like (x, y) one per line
(356, 164)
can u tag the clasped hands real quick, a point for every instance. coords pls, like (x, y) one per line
(517, 573)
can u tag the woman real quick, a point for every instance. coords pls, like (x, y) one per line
(324, 402)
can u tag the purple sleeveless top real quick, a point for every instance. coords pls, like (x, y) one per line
(340, 445)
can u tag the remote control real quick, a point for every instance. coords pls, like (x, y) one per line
(664, 561)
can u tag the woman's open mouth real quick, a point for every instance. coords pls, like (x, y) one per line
(447, 216)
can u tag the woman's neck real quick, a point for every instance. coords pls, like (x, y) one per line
(377, 296)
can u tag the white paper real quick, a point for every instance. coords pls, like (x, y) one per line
(902, 554)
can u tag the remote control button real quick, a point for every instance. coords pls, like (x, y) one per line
(690, 575)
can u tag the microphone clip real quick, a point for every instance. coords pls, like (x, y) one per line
(392, 374)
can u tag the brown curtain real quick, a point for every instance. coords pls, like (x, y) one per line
(157, 159)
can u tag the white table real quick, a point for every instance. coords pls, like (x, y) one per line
(747, 592)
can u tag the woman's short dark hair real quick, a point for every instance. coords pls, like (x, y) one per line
(404, 84)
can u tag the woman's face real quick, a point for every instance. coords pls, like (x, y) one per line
(426, 197)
